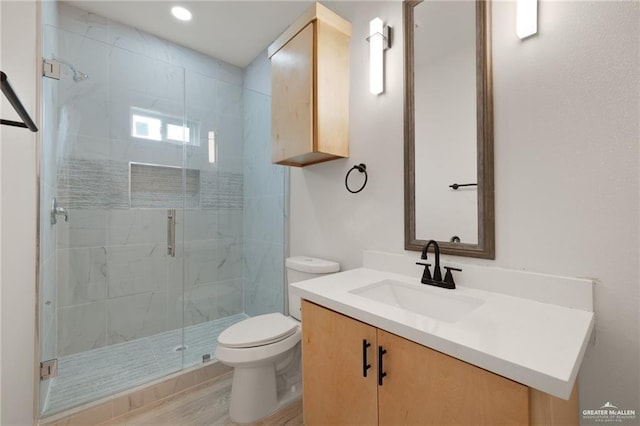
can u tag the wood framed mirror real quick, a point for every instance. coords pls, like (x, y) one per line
(448, 160)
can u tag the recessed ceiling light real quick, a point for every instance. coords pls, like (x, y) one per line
(181, 13)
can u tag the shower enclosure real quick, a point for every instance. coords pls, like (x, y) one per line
(161, 217)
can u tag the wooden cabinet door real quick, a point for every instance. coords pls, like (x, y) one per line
(426, 387)
(334, 388)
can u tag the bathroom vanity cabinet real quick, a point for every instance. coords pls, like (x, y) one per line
(421, 385)
(310, 90)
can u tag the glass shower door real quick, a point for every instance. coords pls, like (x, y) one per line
(111, 277)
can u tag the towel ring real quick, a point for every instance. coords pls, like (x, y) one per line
(362, 168)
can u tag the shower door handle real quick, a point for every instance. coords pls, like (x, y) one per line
(171, 232)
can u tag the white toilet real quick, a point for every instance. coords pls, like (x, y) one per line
(265, 351)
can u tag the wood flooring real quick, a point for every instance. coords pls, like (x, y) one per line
(207, 404)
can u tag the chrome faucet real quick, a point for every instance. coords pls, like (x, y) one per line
(436, 280)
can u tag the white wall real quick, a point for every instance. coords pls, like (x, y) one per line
(566, 167)
(18, 195)
(326, 220)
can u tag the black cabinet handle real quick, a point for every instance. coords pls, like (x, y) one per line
(381, 373)
(365, 365)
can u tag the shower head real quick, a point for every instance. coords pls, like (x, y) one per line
(78, 75)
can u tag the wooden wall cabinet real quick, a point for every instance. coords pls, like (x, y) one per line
(310, 90)
(422, 386)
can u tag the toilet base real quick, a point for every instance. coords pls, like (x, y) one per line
(265, 378)
(254, 394)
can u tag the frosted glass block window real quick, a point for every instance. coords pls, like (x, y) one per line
(146, 127)
(178, 133)
(153, 125)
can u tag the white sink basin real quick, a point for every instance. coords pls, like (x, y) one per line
(420, 299)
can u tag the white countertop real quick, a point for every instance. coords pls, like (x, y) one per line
(537, 344)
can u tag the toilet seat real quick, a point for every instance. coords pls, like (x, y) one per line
(258, 331)
(257, 355)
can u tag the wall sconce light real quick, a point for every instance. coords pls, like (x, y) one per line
(378, 41)
(526, 18)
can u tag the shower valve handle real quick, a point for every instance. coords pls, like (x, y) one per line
(58, 211)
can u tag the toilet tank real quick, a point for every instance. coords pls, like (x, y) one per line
(300, 268)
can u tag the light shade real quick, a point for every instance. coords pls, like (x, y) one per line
(526, 18)
(376, 58)
(181, 13)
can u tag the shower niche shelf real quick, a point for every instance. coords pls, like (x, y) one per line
(158, 186)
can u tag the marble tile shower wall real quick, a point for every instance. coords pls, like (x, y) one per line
(264, 198)
(115, 282)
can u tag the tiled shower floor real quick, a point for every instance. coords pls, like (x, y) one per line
(95, 374)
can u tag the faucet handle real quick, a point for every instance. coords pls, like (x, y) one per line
(426, 275)
(448, 277)
(57, 210)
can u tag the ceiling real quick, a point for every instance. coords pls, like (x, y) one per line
(234, 31)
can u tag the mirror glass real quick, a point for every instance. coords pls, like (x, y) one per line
(448, 159)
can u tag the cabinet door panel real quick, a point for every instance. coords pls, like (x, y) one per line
(548, 410)
(334, 389)
(332, 113)
(426, 387)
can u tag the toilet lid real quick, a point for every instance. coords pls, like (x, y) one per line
(258, 331)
